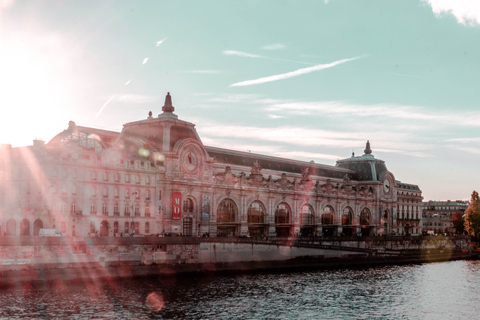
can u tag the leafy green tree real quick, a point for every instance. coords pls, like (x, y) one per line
(458, 221)
(472, 216)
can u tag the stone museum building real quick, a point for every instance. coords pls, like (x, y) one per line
(157, 177)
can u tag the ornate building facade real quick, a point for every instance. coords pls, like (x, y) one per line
(157, 177)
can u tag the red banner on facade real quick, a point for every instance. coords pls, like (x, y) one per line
(176, 206)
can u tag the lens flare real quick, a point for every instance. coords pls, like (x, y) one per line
(143, 152)
(158, 156)
(155, 302)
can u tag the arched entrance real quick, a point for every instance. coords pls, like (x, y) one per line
(104, 229)
(37, 225)
(226, 218)
(283, 214)
(256, 219)
(347, 220)
(11, 227)
(308, 221)
(365, 221)
(24, 227)
(327, 221)
(187, 226)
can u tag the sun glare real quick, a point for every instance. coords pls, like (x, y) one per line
(32, 86)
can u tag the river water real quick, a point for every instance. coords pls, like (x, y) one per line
(447, 290)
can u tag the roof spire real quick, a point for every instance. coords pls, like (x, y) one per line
(168, 107)
(367, 148)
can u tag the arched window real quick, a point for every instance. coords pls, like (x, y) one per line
(282, 213)
(12, 227)
(188, 205)
(137, 227)
(365, 217)
(115, 228)
(147, 227)
(116, 210)
(73, 207)
(25, 227)
(104, 229)
(137, 210)
(227, 211)
(126, 212)
(37, 225)
(147, 211)
(127, 227)
(105, 209)
(347, 216)
(327, 215)
(307, 215)
(256, 213)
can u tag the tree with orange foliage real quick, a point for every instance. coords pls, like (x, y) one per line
(472, 216)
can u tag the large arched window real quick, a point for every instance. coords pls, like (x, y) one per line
(227, 211)
(105, 209)
(25, 227)
(188, 205)
(137, 227)
(347, 216)
(147, 227)
(307, 215)
(37, 225)
(12, 227)
(327, 215)
(365, 217)
(256, 213)
(104, 229)
(282, 213)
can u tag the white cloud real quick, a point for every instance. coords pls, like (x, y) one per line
(275, 116)
(276, 46)
(104, 105)
(241, 54)
(203, 71)
(128, 82)
(160, 42)
(256, 56)
(470, 150)
(234, 98)
(384, 110)
(292, 73)
(145, 60)
(466, 12)
(464, 140)
(136, 98)
(301, 137)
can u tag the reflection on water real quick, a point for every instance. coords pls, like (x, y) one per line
(447, 290)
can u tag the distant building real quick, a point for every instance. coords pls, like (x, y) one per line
(437, 215)
(156, 176)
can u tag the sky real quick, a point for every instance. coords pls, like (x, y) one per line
(301, 79)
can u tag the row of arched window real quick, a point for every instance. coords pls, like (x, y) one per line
(227, 212)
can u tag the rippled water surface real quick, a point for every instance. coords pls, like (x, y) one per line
(449, 290)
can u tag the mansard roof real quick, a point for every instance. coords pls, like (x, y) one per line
(247, 159)
(366, 166)
(105, 137)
